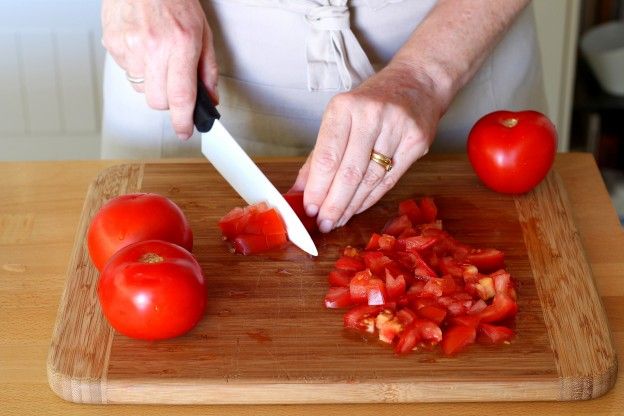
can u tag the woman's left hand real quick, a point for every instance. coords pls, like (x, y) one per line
(394, 113)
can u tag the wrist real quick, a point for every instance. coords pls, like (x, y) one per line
(432, 80)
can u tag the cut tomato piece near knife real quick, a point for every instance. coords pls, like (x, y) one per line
(253, 229)
(258, 228)
(416, 287)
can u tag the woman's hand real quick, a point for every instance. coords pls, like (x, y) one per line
(394, 113)
(167, 44)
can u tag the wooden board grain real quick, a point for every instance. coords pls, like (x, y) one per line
(267, 338)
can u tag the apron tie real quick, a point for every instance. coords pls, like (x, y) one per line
(334, 56)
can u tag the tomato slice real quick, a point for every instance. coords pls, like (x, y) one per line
(373, 242)
(253, 229)
(495, 334)
(295, 200)
(458, 337)
(338, 297)
(417, 332)
(486, 260)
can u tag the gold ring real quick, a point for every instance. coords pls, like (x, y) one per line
(134, 80)
(382, 160)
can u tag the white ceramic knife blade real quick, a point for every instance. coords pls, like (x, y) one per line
(231, 161)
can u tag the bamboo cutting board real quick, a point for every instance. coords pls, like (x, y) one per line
(267, 338)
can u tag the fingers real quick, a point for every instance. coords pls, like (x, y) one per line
(407, 152)
(385, 144)
(352, 170)
(326, 158)
(161, 43)
(208, 69)
(181, 91)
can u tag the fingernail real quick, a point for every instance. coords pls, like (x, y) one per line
(183, 136)
(311, 210)
(326, 226)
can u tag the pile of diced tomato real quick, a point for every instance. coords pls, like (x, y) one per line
(415, 286)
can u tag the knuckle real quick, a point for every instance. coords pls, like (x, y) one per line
(340, 101)
(157, 102)
(388, 182)
(181, 98)
(352, 175)
(372, 178)
(327, 160)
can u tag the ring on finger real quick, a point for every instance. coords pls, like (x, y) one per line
(134, 80)
(382, 160)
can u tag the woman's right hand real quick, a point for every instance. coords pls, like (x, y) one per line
(168, 44)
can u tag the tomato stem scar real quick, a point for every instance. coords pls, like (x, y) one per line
(151, 258)
(509, 122)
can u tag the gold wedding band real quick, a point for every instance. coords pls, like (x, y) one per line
(382, 160)
(134, 80)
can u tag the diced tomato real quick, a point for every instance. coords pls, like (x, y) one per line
(387, 242)
(423, 287)
(355, 317)
(397, 225)
(464, 320)
(295, 200)
(428, 209)
(388, 325)
(376, 261)
(253, 229)
(417, 243)
(456, 338)
(358, 286)
(373, 242)
(349, 264)
(406, 316)
(376, 292)
(502, 307)
(338, 297)
(350, 252)
(433, 313)
(495, 334)
(395, 286)
(233, 222)
(410, 208)
(419, 330)
(486, 260)
(408, 340)
(477, 307)
(249, 243)
(448, 265)
(340, 278)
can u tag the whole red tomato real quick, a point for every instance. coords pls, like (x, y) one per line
(130, 218)
(152, 290)
(511, 152)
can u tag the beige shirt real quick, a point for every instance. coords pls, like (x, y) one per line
(281, 61)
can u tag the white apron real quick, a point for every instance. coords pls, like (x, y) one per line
(281, 61)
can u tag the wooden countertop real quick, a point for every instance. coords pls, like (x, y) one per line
(39, 211)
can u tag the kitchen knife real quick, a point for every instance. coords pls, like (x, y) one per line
(241, 172)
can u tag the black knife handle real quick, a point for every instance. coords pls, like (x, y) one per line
(205, 112)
